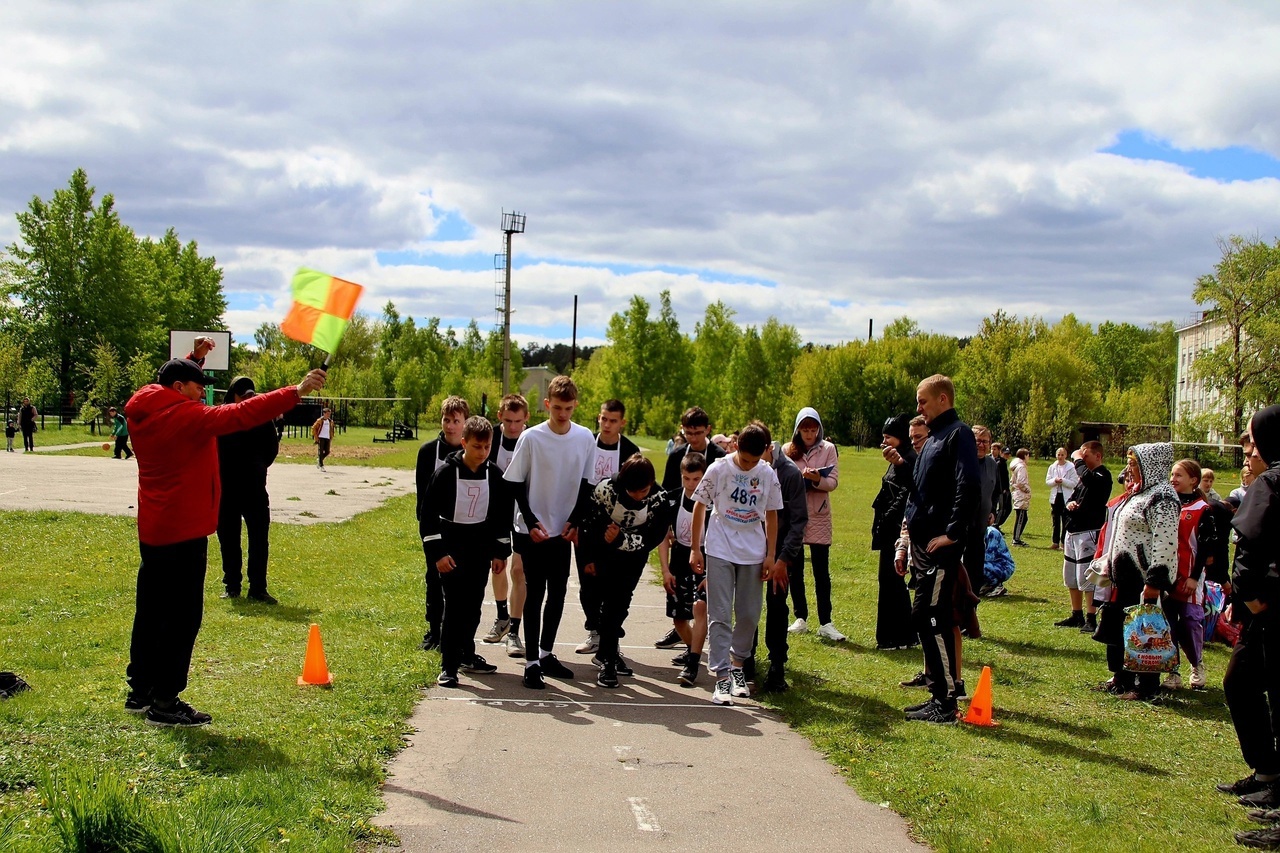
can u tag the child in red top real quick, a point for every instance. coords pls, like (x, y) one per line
(1184, 604)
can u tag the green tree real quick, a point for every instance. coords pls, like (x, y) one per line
(40, 383)
(140, 371)
(12, 367)
(715, 338)
(1243, 293)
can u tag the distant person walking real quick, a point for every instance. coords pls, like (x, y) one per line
(120, 429)
(322, 436)
(27, 415)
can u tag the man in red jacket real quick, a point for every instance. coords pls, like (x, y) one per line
(175, 439)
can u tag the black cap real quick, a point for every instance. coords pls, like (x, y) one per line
(182, 370)
(897, 426)
(240, 385)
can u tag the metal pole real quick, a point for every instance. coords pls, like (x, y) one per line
(506, 323)
(573, 352)
(870, 329)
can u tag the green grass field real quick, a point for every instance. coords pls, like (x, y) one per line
(285, 767)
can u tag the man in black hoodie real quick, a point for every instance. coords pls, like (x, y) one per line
(938, 519)
(1086, 513)
(454, 412)
(243, 460)
(1252, 680)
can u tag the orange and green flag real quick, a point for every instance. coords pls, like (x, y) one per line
(322, 307)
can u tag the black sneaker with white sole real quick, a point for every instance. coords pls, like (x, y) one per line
(689, 675)
(552, 667)
(607, 676)
(620, 665)
(447, 679)
(179, 715)
(669, 640)
(478, 664)
(934, 712)
(136, 703)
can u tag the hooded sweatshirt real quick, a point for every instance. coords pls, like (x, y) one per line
(465, 514)
(1141, 532)
(175, 439)
(822, 456)
(1253, 575)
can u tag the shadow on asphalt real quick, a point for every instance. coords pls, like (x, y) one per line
(441, 804)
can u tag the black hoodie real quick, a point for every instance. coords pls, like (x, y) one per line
(442, 534)
(1253, 575)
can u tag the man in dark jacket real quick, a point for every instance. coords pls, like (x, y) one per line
(939, 517)
(243, 460)
(791, 521)
(1252, 680)
(1086, 513)
(975, 549)
(1003, 504)
(175, 434)
(893, 607)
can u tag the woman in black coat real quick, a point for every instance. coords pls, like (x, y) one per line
(893, 613)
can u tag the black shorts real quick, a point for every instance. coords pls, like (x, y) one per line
(680, 605)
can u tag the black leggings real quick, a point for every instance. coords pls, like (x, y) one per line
(546, 574)
(821, 558)
(1059, 519)
(1019, 524)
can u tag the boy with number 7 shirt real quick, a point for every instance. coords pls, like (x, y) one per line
(466, 532)
(745, 497)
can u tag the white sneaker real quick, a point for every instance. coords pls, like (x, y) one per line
(590, 645)
(515, 648)
(738, 684)
(1172, 681)
(829, 632)
(798, 627)
(721, 695)
(1198, 679)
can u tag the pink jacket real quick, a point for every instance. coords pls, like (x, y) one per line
(822, 455)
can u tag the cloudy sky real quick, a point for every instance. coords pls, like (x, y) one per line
(825, 163)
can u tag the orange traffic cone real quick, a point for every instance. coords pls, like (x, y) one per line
(314, 669)
(979, 713)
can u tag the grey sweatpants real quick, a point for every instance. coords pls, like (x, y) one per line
(735, 594)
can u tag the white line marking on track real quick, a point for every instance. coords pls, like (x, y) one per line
(646, 820)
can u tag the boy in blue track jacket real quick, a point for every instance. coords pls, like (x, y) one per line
(465, 526)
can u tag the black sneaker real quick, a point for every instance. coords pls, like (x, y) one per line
(447, 679)
(553, 668)
(179, 714)
(689, 675)
(910, 709)
(917, 680)
(430, 641)
(1265, 815)
(961, 693)
(1250, 784)
(621, 667)
(608, 676)
(1263, 839)
(749, 669)
(775, 680)
(264, 597)
(1075, 620)
(230, 593)
(478, 664)
(1267, 798)
(669, 641)
(136, 703)
(533, 677)
(681, 659)
(1090, 624)
(934, 712)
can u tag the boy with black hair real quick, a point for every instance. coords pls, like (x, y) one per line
(466, 532)
(695, 428)
(513, 415)
(744, 495)
(622, 519)
(454, 412)
(546, 472)
(686, 591)
(612, 449)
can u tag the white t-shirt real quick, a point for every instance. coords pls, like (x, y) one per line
(324, 427)
(554, 467)
(739, 501)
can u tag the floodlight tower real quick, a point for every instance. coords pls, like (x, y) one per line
(512, 223)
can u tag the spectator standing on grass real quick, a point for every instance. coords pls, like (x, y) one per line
(893, 605)
(120, 430)
(322, 436)
(1237, 494)
(1138, 558)
(10, 430)
(975, 549)
(1003, 502)
(1020, 493)
(27, 415)
(178, 493)
(1197, 542)
(819, 465)
(1086, 513)
(1062, 479)
(938, 519)
(1252, 681)
(454, 412)
(243, 460)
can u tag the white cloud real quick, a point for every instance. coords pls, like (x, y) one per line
(919, 157)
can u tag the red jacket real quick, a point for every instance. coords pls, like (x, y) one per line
(175, 440)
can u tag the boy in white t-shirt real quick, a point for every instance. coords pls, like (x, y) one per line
(744, 495)
(546, 472)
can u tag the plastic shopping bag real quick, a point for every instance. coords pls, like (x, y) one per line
(1148, 641)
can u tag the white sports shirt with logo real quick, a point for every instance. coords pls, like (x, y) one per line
(738, 500)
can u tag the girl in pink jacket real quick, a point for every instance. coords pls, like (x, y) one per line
(819, 463)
